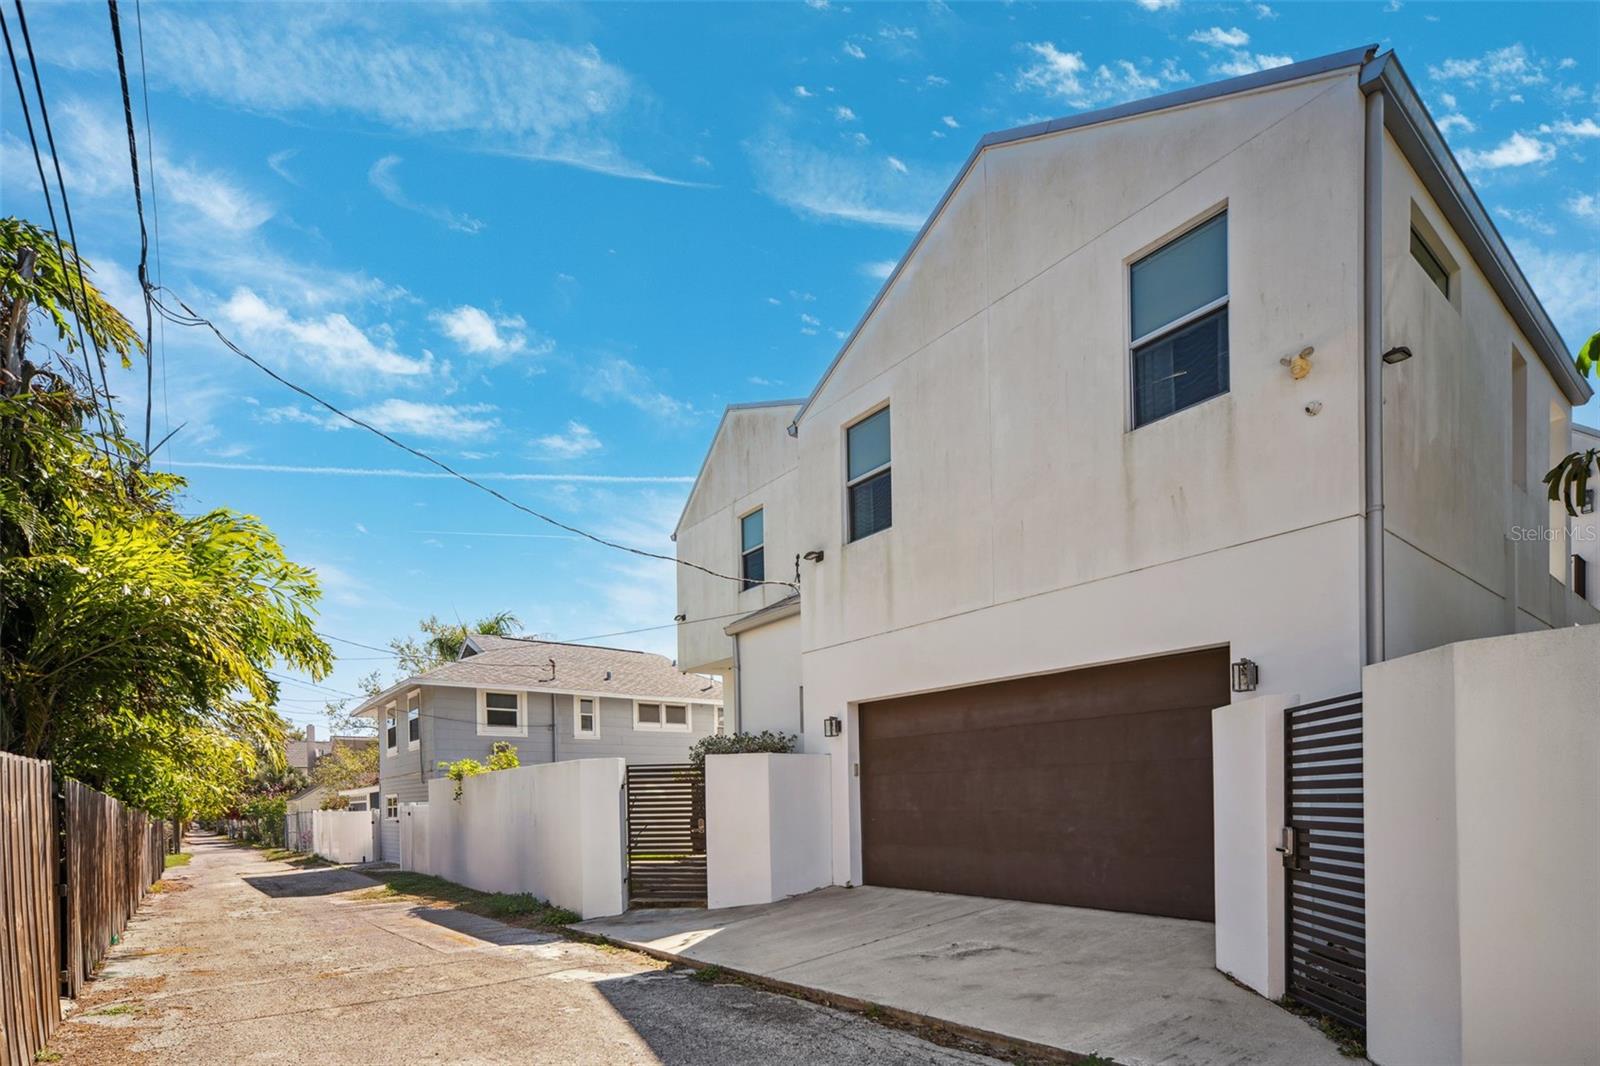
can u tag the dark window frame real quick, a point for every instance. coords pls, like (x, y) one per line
(1432, 264)
(752, 561)
(414, 717)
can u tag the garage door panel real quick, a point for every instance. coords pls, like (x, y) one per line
(1090, 788)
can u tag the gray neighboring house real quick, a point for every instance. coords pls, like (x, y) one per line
(552, 701)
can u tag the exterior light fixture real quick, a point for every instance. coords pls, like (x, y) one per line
(1246, 675)
(1398, 354)
(832, 727)
(813, 556)
(680, 618)
(1299, 365)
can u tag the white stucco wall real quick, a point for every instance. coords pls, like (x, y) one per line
(1248, 816)
(767, 827)
(769, 677)
(750, 464)
(1586, 528)
(555, 830)
(1483, 851)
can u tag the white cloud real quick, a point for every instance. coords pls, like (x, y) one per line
(1263, 11)
(434, 421)
(496, 336)
(1241, 63)
(579, 440)
(818, 5)
(1500, 70)
(1157, 5)
(1065, 74)
(1518, 150)
(897, 33)
(935, 81)
(1564, 283)
(1582, 130)
(897, 166)
(1457, 121)
(1531, 220)
(1584, 205)
(878, 269)
(803, 93)
(331, 344)
(844, 114)
(462, 76)
(383, 179)
(613, 379)
(809, 319)
(1217, 37)
(279, 163)
(950, 121)
(859, 139)
(841, 187)
(853, 50)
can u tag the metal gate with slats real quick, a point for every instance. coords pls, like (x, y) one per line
(1325, 858)
(666, 836)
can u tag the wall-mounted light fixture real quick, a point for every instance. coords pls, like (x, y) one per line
(1246, 675)
(1398, 354)
(813, 556)
(680, 618)
(1299, 365)
(832, 727)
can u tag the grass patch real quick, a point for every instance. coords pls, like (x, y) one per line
(44, 1054)
(707, 975)
(120, 1008)
(513, 908)
(1350, 1042)
(293, 858)
(180, 859)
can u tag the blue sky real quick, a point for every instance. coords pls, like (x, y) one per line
(552, 242)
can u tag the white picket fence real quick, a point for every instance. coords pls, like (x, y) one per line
(554, 830)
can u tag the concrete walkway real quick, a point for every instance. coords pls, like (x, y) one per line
(1129, 987)
(241, 960)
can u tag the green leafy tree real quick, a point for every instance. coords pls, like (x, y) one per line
(441, 642)
(346, 766)
(502, 756)
(136, 639)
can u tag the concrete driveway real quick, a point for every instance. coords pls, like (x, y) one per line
(242, 960)
(1132, 988)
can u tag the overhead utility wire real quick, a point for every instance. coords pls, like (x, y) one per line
(138, 203)
(44, 186)
(155, 219)
(82, 314)
(191, 318)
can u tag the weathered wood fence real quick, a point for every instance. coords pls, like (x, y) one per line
(74, 866)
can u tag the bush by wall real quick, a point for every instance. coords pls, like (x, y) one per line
(765, 741)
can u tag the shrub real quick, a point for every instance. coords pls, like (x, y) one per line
(740, 744)
(502, 756)
(335, 802)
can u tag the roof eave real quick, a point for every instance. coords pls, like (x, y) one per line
(1262, 79)
(1424, 147)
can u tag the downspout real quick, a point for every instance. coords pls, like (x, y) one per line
(1372, 373)
(738, 687)
(554, 753)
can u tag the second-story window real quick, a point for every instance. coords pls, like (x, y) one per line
(389, 727)
(414, 719)
(1179, 298)
(867, 484)
(752, 550)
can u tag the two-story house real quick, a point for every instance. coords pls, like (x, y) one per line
(550, 701)
(1229, 387)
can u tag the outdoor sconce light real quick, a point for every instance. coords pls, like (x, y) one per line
(1245, 676)
(813, 556)
(1299, 365)
(832, 727)
(1398, 354)
(680, 618)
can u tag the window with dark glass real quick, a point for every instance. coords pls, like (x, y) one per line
(752, 549)
(1179, 299)
(389, 726)
(1430, 263)
(414, 717)
(867, 484)
(500, 710)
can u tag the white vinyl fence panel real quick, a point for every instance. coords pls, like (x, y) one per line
(554, 830)
(342, 836)
(414, 838)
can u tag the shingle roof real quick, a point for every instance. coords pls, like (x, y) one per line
(525, 664)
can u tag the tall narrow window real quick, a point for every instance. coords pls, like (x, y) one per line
(1519, 420)
(1179, 298)
(413, 719)
(1430, 263)
(389, 727)
(752, 549)
(867, 475)
(585, 721)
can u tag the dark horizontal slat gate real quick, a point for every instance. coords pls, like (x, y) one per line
(666, 836)
(1326, 862)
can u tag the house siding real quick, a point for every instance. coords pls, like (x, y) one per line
(399, 774)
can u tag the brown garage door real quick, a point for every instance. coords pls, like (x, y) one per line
(1090, 788)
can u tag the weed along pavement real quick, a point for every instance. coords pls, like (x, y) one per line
(243, 957)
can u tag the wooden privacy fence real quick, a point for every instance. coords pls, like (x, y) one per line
(74, 866)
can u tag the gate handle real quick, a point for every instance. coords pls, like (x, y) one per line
(1286, 846)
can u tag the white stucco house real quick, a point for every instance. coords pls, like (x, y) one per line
(553, 702)
(1239, 375)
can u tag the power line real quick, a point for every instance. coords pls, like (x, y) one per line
(138, 203)
(194, 319)
(85, 321)
(155, 220)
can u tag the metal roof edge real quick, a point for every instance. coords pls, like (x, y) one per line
(1352, 57)
(1424, 147)
(772, 612)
